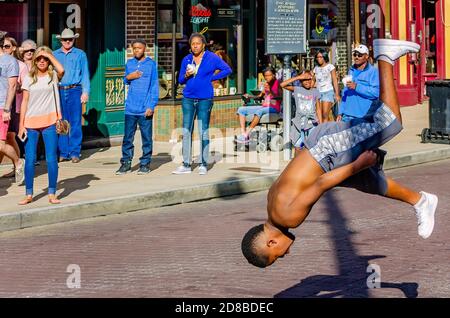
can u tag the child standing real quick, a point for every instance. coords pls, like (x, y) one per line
(307, 110)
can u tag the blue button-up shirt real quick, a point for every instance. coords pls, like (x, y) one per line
(143, 92)
(76, 69)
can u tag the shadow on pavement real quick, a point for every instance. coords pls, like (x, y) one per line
(353, 278)
(5, 183)
(70, 185)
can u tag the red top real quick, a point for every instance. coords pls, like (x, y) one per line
(269, 96)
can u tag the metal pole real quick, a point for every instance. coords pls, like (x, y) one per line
(174, 43)
(287, 109)
(240, 58)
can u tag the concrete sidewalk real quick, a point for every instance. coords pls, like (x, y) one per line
(91, 188)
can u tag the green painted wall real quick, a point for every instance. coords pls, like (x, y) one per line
(107, 60)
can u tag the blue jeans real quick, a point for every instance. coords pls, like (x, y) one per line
(146, 127)
(191, 108)
(70, 145)
(50, 141)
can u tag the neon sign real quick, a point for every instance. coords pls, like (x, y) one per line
(199, 14)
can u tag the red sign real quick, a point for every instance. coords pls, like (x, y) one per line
(199, 14)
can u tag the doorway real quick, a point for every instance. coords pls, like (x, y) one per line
(61, 14)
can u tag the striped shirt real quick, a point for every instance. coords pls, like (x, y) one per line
(42, 103)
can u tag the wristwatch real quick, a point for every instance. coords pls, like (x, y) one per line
(6, 110)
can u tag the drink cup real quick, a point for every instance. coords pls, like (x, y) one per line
(347, 79)
(190, 68)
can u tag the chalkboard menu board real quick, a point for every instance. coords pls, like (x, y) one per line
(285, 26)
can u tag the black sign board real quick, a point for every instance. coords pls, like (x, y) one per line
(226, 13)
(285, 26)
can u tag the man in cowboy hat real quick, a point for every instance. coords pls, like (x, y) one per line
(74, 91)
(361, 87)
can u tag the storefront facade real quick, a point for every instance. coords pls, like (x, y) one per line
(425, 22)
(235, 31)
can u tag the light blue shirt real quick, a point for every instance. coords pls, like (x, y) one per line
(8, 68)
(359, 102)
(76, 69)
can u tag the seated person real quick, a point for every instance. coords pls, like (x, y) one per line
(307, 108)
(271, 103)
(339, 154)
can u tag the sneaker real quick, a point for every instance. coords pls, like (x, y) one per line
(182, 170)
(20, 172)
(202, 170)
(425, 210)
(391, 50)
(144, 169)
(242, 139)
(124, 168)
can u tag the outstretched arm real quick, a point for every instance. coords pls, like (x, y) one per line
(300, 207)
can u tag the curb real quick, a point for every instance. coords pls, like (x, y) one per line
(129, 203)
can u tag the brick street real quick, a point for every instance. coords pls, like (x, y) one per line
(193, 250)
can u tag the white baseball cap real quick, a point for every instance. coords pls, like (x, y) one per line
(361, 49)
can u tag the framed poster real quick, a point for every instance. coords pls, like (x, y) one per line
(285, 27)
(322, 23)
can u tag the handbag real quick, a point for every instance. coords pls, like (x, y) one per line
(62, 125)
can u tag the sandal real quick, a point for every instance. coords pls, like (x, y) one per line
(53, 200)
(28, 199)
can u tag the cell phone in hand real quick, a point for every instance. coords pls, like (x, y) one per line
(23, 137)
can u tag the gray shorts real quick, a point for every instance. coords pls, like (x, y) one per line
(335, 144)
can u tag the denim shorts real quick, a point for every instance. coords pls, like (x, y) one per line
(327, 96)
(255, 110)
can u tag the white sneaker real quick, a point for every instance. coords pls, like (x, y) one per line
(391, 50)
(425, 210)
(182, 170)
(202, 170)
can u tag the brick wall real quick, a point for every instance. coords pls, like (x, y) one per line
(165, 56)
(141, 23)
(168, 120)
(341, 43)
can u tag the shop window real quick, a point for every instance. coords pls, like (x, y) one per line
(14, 20)
(322, 26)
(430, 45)
(217, 20)
(165, 13)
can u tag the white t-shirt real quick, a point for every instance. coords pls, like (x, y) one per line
(42, 103)
(323, 78)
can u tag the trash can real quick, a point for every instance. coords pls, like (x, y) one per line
(439, 112)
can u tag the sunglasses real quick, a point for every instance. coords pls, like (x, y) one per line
(28, 51)
(40, 58)
(358, 54)
(7, 46)
(66, 40)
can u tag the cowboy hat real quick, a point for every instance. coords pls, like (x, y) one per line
(67, 34)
